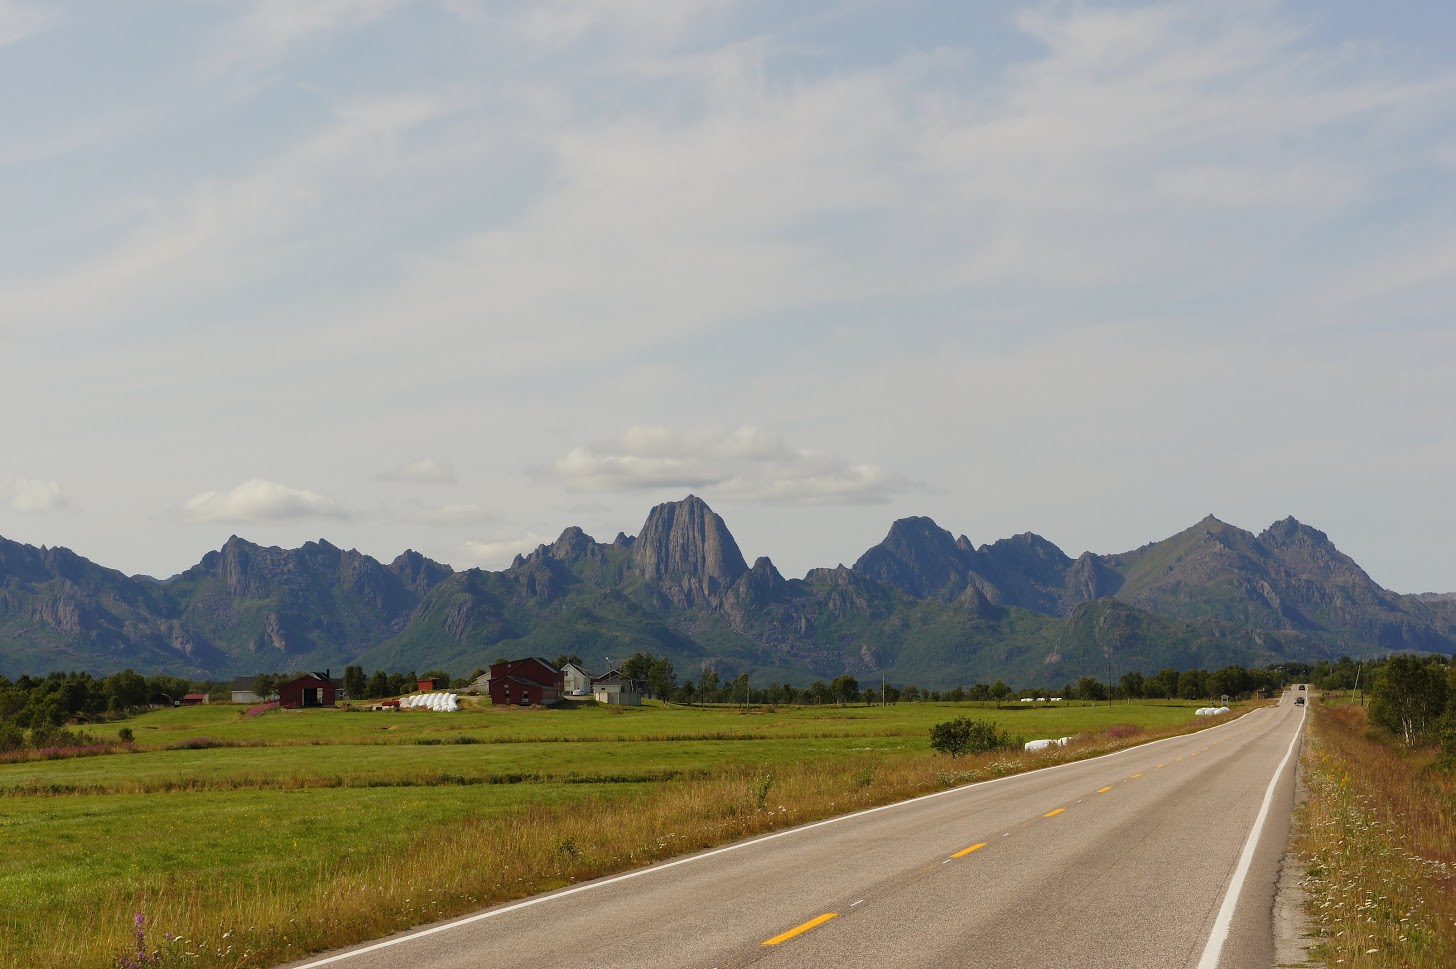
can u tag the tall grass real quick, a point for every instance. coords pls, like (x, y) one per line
(1378, 836)
(229, 917)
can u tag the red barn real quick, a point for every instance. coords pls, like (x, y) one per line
(525, 682)
(309, 690)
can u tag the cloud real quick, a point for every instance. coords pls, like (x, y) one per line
(260, 500)
(271, 29)
(497, 553)
(224, 233)
(458, 513)
(34, 497)
(423, 471)
(747, 464)
(18, 21)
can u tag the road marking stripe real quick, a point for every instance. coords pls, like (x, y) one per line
(715, 852)
(1160, 767)
(800, 930)
(962, 854)
(1219, 935)
(1137, 775)
(1104, 790)
(1052, 814)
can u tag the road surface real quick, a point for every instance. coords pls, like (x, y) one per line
(1124, 861)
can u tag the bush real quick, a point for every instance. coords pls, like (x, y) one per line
(966, 736)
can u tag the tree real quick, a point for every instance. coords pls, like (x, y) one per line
(378, 685)
(1132, 685)
(956, 695)
(355, 683)
(844, 688)
(267, 684)
(660, 678)
(1409, 697)
(1089, 688)
(708, 685)
(1000, 692)
(965, 736)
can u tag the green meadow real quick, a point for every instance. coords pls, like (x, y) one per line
(261, 838)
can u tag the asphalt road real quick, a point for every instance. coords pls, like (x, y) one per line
(1124, 861)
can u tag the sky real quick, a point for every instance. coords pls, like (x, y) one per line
(453, 275)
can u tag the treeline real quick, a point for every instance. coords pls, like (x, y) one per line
(1235, 682)
(35, 711)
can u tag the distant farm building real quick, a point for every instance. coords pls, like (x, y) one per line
(618, 690)
(309, 690)
(577, 680)
(531, 681)
(245, 690)
(194, 699)
(426, 685)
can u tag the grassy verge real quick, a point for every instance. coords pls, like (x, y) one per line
(1378, 835)
(246, 859)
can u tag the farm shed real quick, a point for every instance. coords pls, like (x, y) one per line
(614, 688)
(309, 690)
(530, 681)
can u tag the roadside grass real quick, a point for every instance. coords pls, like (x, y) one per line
(1378, 836)
(237, 852)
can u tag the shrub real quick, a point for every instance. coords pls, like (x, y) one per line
(966, 736)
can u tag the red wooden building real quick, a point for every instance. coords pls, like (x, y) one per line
(525, 682)
(309, 690)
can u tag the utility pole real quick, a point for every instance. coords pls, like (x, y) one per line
(882, 687)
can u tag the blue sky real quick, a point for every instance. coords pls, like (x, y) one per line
(453, 275)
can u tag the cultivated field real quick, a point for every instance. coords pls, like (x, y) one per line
(255, 840)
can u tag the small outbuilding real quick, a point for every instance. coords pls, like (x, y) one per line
(309, 690)
(618, 690)
(531, 681)
(194, 699)
(245, 690)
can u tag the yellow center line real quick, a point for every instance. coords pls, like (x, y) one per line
(1179, 758)
(1160, 767)
(1137, 775)
(1052, 814)
(1104, 790)
(812, 923)
(963, 853)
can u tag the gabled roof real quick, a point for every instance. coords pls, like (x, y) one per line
(244, 683)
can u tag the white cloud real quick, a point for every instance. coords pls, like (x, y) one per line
(259, 500)
(224, 233)
(271, 29)
(497, 553)
(19, 21)
(33, 496)
(747, 464)
(423, 471)
(457, 513)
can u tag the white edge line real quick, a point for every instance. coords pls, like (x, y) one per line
(601, 883)
(1219, 935)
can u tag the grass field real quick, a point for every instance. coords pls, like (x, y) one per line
(1378, 835)
(318, 828)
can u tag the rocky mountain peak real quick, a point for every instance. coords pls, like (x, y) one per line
(573, 545)
(685, 547)
(920, 558)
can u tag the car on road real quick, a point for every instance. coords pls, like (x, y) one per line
(1301, 686)
(1299, 701)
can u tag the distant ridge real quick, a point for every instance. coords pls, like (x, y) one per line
(921, 606)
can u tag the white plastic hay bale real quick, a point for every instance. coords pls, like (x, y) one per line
(1205, 711)
(1056, 699)
(1038, 744)
(1222, 710)
(1026, 699)
(1061, 741)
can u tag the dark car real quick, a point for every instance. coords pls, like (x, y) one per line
(1299, 701)
(1301, 686)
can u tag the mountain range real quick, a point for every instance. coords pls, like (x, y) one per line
(922, 606)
